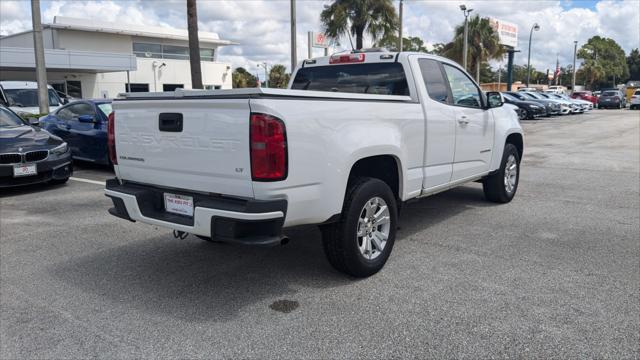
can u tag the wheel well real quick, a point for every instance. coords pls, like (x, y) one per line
(516, 140)
(383, 167)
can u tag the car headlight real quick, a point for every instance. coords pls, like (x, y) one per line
(534, 107)
(60, 149)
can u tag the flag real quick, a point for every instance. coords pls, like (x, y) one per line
(557, 73)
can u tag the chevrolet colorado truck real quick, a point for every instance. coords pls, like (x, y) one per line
(353, 137)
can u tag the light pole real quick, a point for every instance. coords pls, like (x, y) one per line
(38, 49)
(400, 30)
(573, 80)
(294, 60)
(535, 27)
(466, 12)
(266, 75)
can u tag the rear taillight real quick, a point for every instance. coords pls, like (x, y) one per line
(346, 58)
(111, 138)
(268, 148)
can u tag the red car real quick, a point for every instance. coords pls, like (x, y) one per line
(585, 95)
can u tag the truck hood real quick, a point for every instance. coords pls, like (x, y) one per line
(26, 138)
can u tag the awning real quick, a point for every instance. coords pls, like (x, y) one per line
(12, 58)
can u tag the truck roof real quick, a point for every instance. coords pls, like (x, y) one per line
(365, 56)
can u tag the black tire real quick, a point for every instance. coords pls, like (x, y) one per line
(58, 181)
(340, 240)
(494, 186)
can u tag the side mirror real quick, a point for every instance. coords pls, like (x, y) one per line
(494, 99)
(34, 121)
(86, 118)
(65, 101)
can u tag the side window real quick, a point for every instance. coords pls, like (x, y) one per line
(463, 90)
(64, 114)
(434, 80)
(73, 111)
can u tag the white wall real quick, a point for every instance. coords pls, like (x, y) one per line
(25, 40)
(94, 85)
(93, 41)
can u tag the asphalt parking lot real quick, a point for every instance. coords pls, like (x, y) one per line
(555, 273)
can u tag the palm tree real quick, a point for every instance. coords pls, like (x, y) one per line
(357, 17)
(194, 45)
(278, 77)
(484, 44)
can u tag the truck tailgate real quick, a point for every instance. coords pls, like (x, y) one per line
(200, 144)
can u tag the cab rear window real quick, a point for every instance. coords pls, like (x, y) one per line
(373, 78)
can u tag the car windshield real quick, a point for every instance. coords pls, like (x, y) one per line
(28, 97)
(508, 96)
(9, 119)
(533, 96)
(105, 108)
(609, 93)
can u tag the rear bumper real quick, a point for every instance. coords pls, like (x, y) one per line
(245, 221)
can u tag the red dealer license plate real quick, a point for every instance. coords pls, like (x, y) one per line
(178, 204)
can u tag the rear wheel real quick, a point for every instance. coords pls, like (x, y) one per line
(501, 186)
(361, 242)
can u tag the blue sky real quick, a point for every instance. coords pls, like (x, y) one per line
(262, 26)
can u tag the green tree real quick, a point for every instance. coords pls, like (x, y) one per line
(633, 62)
(241, 78)
(484, 44)
(604, 61)
(357, 17)
(278, 77)
(411, 43)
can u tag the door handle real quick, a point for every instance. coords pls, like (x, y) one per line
(170, 122)
(463, 120)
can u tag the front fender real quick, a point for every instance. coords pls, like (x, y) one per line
(506, 123)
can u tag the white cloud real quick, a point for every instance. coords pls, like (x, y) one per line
(262, 26)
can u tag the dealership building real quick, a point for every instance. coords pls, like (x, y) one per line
(91, 59)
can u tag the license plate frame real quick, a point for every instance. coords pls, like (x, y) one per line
(178, 204)
(21, 170)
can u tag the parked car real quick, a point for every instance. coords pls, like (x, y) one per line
(556, 107)
(575, 107)
(635, 100)
(619, 93)
(586, 105)
(556, 89)
(342, 147)
(29, 154)
(585, 95)
(83, 125)
(22, 97)
(611, 99)
(529, 109)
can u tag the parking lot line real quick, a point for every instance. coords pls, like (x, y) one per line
(96, 182)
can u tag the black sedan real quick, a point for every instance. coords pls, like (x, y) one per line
(529, 109)
(30, 155)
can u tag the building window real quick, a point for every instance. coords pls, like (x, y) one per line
(171, 87)
(160, 51)
(138, 87)
(206, 54)
(212, 87)
(74, 89)
(175, 52)
(147, 50)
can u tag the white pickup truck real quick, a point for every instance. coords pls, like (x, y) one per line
(353, 137)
